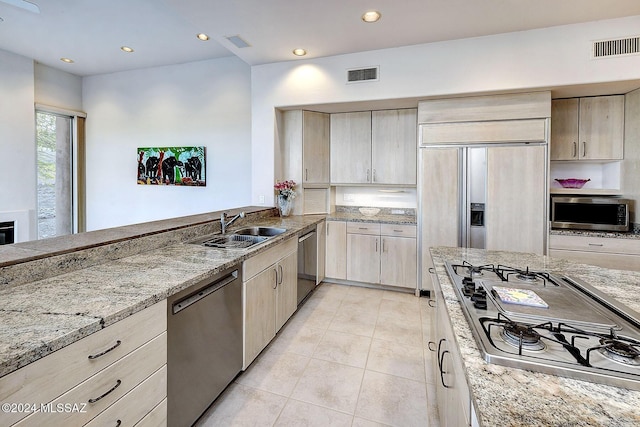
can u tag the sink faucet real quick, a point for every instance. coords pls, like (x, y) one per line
(223, 218)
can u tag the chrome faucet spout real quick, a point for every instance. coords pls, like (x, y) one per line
(223, 220)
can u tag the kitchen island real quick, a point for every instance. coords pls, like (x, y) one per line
(503, 396)
(42, 316)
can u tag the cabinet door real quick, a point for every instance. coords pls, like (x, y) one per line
(351, 148)
(602, 127)
(393, 146)
(363, 258)
(398, 262)
(439, 204)
(564, 129)
(259, 314)
(321, 234)
(516, 199)
(315, 147)
(336, 258)
(287, 289)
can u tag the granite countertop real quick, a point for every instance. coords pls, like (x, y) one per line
(386, 215)
(42, 316)
(588, 233)
(515, 397)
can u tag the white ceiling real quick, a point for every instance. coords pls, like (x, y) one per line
(162, 32)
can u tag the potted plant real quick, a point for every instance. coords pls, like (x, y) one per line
(286, 193)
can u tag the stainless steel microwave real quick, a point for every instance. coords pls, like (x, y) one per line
(590, 213)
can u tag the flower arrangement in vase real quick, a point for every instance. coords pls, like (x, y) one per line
(286, 193)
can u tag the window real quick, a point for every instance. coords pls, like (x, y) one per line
(59, 142)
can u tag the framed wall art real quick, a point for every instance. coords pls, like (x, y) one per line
(171, 166)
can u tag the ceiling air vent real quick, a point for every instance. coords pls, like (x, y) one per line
(363, 74)
(616, 47)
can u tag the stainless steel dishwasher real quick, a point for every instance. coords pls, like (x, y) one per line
(204, 339)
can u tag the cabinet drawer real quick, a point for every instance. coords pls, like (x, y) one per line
(157, 417)
(136, 404)
(256, 264)
(595, 244)
(49, 377)
(101, 390)
(479, 132)
(606, 260)
(363, 228)
(398, 230)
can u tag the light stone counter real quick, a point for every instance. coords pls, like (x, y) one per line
(42, 316)
(587, 233)
(386, 215)
(514, 397)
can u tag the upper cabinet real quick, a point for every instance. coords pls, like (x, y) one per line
(315, 147)
(351, 148)
(393, 146)
(587, 128)
(376, 147)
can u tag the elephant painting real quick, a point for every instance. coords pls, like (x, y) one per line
(171, 166)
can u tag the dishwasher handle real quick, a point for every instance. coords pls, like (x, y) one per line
(306, 236)
(180, 305)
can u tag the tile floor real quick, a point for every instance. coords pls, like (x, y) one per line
(350, 356)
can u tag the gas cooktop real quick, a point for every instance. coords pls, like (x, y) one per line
(549, 323)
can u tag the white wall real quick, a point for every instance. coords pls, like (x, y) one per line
(535, 59)
(204, 103)
(57, 88)
(17, 144)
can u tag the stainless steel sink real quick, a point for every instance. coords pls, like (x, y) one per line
(233, 241)
(260, 231)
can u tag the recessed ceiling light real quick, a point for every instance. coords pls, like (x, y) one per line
(371, 16)
(299, 52)
(126, 49)
(203, 37)
(67, 60)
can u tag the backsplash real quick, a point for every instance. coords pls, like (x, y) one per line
(380, 197)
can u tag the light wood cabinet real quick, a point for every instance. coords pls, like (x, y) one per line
(587, 128)
(393, 146)
(376, 147)
(382, 254)
(303, 156)
(315, 147)
(336, 250)
(108, 365)
(620, 254)
(321, 233)
(351, 148)
(270, 295)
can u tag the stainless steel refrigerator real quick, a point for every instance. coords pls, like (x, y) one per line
(486, 196)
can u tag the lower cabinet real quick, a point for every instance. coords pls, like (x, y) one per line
(269, 295)
(452, 392)
(336, 250)
(619, 254)
(382, 254)
(117, 373)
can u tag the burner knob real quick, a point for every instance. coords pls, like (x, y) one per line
(468, 281)
(469, 290)
(480, 303)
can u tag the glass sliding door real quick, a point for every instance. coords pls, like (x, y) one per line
(54, 141)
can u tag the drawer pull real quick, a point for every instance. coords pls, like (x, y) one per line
(596, 244)
(397, 231)
(109, 391)
(363, 228)
(118, 423)
(95, 356)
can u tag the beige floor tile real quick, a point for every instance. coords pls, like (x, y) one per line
(354, 321)
(401, 296)
(397, 330)
(296, 414)
(400, 310)
(347, 349)
(275, 372)
(393, 400)
(361, 422)
(397, 359)
(296, 337)
(243, 406)
(317, 316)
(329, 385)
